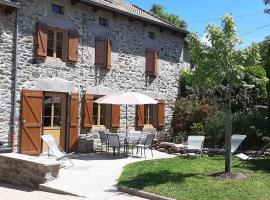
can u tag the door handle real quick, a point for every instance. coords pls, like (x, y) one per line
(23, 121)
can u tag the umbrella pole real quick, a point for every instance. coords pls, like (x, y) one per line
(126, 121)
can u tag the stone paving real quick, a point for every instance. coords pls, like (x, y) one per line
(11, 192)
(94, 176)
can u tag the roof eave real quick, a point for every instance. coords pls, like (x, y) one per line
(180, 30)
(10, 3)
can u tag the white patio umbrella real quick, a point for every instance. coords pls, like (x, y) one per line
(126, 98)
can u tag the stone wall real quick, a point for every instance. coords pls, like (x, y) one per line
(26, 170)
(6, 49)
(129, 39)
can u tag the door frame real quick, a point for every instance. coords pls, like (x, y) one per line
(64, 141)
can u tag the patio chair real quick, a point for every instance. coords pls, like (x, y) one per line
(103, 140)
(195, 143)
(54, 149)
(133, 139)
(114, 143)
(147, 144)
(236, 142)
(245, 157)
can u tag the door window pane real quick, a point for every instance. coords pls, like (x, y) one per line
(47, 121)
(57, 121)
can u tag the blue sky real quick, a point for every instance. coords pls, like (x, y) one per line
(248, 14)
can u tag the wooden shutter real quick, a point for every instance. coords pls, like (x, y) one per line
(115, 116)
(73, 45)
(42, 40)
(151, 58)
(31, 122)
(161, 114)
(108, 54)
(155, 64)
(73, 129)
(140, 116)
(100, 50)
(88, 110)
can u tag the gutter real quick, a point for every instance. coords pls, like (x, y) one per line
(109, 8)
(10, 3)
(14, 86)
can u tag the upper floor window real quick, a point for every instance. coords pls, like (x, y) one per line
(57, 9)
(103, 22)
(56, 42)
(103, 49)
(151, 35)
(151, 62)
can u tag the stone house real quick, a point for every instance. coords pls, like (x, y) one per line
(58, 56)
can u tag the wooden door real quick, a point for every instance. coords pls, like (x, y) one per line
(54, 119)
(73, 129)
(31, 122)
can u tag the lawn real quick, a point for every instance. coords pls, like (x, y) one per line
(187, 178)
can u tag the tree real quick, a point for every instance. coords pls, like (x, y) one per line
(267, 10)
(265, 54)
(221, 64)
(160, 11)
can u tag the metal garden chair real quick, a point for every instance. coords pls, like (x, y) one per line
(147, 144)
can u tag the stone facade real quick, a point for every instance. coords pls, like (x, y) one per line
(6, 64)
(129, 42)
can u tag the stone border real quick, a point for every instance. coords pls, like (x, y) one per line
(142, 194)
(45, 188)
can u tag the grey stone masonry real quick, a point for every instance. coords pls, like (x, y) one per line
(26, 170)
(129, 43)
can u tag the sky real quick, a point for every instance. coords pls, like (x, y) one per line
(253, 25)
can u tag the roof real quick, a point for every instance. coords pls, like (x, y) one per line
(9, 3)
(125, 8)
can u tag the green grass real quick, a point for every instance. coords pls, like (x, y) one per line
(187, 178)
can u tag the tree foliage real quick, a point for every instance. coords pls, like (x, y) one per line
(160, 11)
(267, 10)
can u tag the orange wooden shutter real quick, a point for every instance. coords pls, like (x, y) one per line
(155, 63)
(140, 116)
(73, 129)
(148, 62)
(42, 40)
(73, 45)
(31, 122)
(88, 110)
(161, 114)
(108, 54)
(115, 116)
(100, 53)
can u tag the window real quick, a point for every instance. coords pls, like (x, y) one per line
(57, 9)
(103, 22)
(56, 42)
(148, 114)
(151, 35)
(99, 113)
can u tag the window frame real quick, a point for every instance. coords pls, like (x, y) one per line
(151, 35)
(103, 22)
(98, 125)
(61, 8)
(55, 31)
